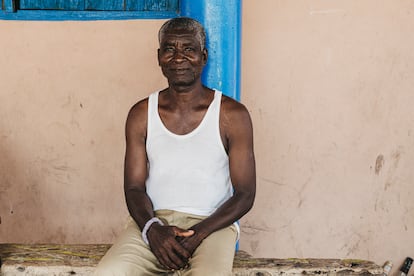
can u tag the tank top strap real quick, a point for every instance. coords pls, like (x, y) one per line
(152, 112)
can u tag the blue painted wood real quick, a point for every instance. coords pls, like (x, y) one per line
(9, 5)
(160, 5)
(222, 20)
(72, 5)
(95, 5)
(152, 5)
(105, 5)
(135, 5)
(101, 9)
(173, 5)
(51, 15)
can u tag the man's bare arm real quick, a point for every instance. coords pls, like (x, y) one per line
(135, 167)
(236, 124)
(161, 238)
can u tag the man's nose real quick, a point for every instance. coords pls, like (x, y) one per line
(179, 56)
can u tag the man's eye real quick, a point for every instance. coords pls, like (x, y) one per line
(189, 49)
(169, 49)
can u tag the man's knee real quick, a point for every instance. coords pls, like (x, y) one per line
(114, 268)
(106, 270)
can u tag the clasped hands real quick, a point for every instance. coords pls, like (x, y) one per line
(172, 245)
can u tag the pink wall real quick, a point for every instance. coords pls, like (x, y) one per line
(66, 88)
(329, 87)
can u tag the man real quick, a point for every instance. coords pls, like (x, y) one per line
(189, 169)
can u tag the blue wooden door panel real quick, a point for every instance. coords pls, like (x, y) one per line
(132, 5)
(105, 5)
(135, 5)
(8, 5)
(151, 5)
(161, 5)
(92, 5)
(76, 5)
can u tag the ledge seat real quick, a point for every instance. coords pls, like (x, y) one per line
(62, 260)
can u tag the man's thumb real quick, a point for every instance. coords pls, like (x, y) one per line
(183, 233)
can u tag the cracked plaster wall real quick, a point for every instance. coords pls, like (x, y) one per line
(330, 88)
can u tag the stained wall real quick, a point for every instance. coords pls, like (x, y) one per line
(330, 88)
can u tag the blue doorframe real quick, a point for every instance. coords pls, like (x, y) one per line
(222, 21)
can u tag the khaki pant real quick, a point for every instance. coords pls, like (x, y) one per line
(130, 256)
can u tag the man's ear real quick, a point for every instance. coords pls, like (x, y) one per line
(158, 56)
(205, 56)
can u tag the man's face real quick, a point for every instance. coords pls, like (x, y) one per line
(181, 58)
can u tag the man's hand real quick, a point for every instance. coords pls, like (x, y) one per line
(169, 252)
(191, 243)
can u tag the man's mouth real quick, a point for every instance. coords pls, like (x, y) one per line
(179, 70)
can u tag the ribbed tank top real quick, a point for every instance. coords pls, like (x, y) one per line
(187, 173)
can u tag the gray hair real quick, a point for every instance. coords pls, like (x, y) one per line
(184, 23)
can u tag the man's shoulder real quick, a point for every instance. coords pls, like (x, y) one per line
(235, 119)
(231, 107)
(137, 115)
(141, 104)
(139, 108)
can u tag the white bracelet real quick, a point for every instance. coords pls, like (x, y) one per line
(147, 226)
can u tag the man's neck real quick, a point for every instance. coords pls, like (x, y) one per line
(186, 96)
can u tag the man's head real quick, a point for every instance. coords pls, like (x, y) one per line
(187, 24)
(182, 54)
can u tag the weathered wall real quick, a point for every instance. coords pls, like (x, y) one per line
(66, 88)
(329, 86)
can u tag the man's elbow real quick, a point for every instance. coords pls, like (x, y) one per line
(250, 200)
(247, 200)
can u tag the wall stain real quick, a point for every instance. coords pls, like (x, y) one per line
(354, 243)
(254, 245)
(253, 229)
(396, 156)
(271, 181)
(300, 192)
(387, 185)
(379, 163)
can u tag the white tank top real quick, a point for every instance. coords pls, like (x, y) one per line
(187, 173)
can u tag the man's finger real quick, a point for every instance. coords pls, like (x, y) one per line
(181, 251)
(183, 233)
(167, 261)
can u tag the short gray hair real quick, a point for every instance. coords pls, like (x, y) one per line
(184, 23)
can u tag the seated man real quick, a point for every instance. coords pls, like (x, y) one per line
(189, 169)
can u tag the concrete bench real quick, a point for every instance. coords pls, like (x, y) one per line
(52, 259)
